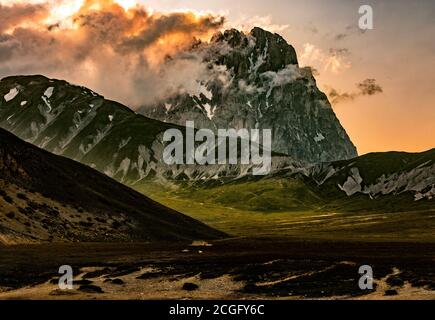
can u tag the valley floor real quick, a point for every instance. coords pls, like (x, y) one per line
(413, 226)
(269, 209)
(281, 254)
(238, 268)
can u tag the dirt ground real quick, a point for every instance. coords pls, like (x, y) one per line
(229, 269)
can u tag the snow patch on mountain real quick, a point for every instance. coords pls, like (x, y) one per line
(261, 59)
(420, 181)
(100, 135)
(79, 123)
(9, 118)
(123, 143)
(47, 103)
(11, 94)
(49, 92)
(319, 137)
(123, 168)
(207, 93)
(353, 183)
(209, 110)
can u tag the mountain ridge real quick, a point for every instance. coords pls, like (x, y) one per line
(100, 133)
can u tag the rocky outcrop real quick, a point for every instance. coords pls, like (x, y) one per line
(259, 84)
(380, 174)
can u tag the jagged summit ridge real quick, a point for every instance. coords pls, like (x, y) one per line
(265, 51)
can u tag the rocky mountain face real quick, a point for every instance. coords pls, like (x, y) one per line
(256, 82)
(44, 197)
(77, 123)
(380, 174)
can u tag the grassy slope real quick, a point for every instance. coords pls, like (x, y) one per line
(285, 208)
(282, 205)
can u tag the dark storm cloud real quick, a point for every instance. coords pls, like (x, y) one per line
(368, 87)
(168, 24)
(105, 47)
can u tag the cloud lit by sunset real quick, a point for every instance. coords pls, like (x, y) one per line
(85, 41)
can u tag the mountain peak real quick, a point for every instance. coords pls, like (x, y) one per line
(259, 42)
(256, 82)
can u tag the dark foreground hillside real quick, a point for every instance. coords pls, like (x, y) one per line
(44, 197)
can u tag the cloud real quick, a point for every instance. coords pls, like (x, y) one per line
(335, 61)
(246, 24)
(349, 31)
(287, 75)
(161, 26)
(311, 28)
(336, 97)
(314, 71)
(368, 87)
(16, 14)
(120, 52)
(248, 88)
(340, 36)
(271, 79)
(184, 73)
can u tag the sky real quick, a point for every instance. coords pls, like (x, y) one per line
(398, 54)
